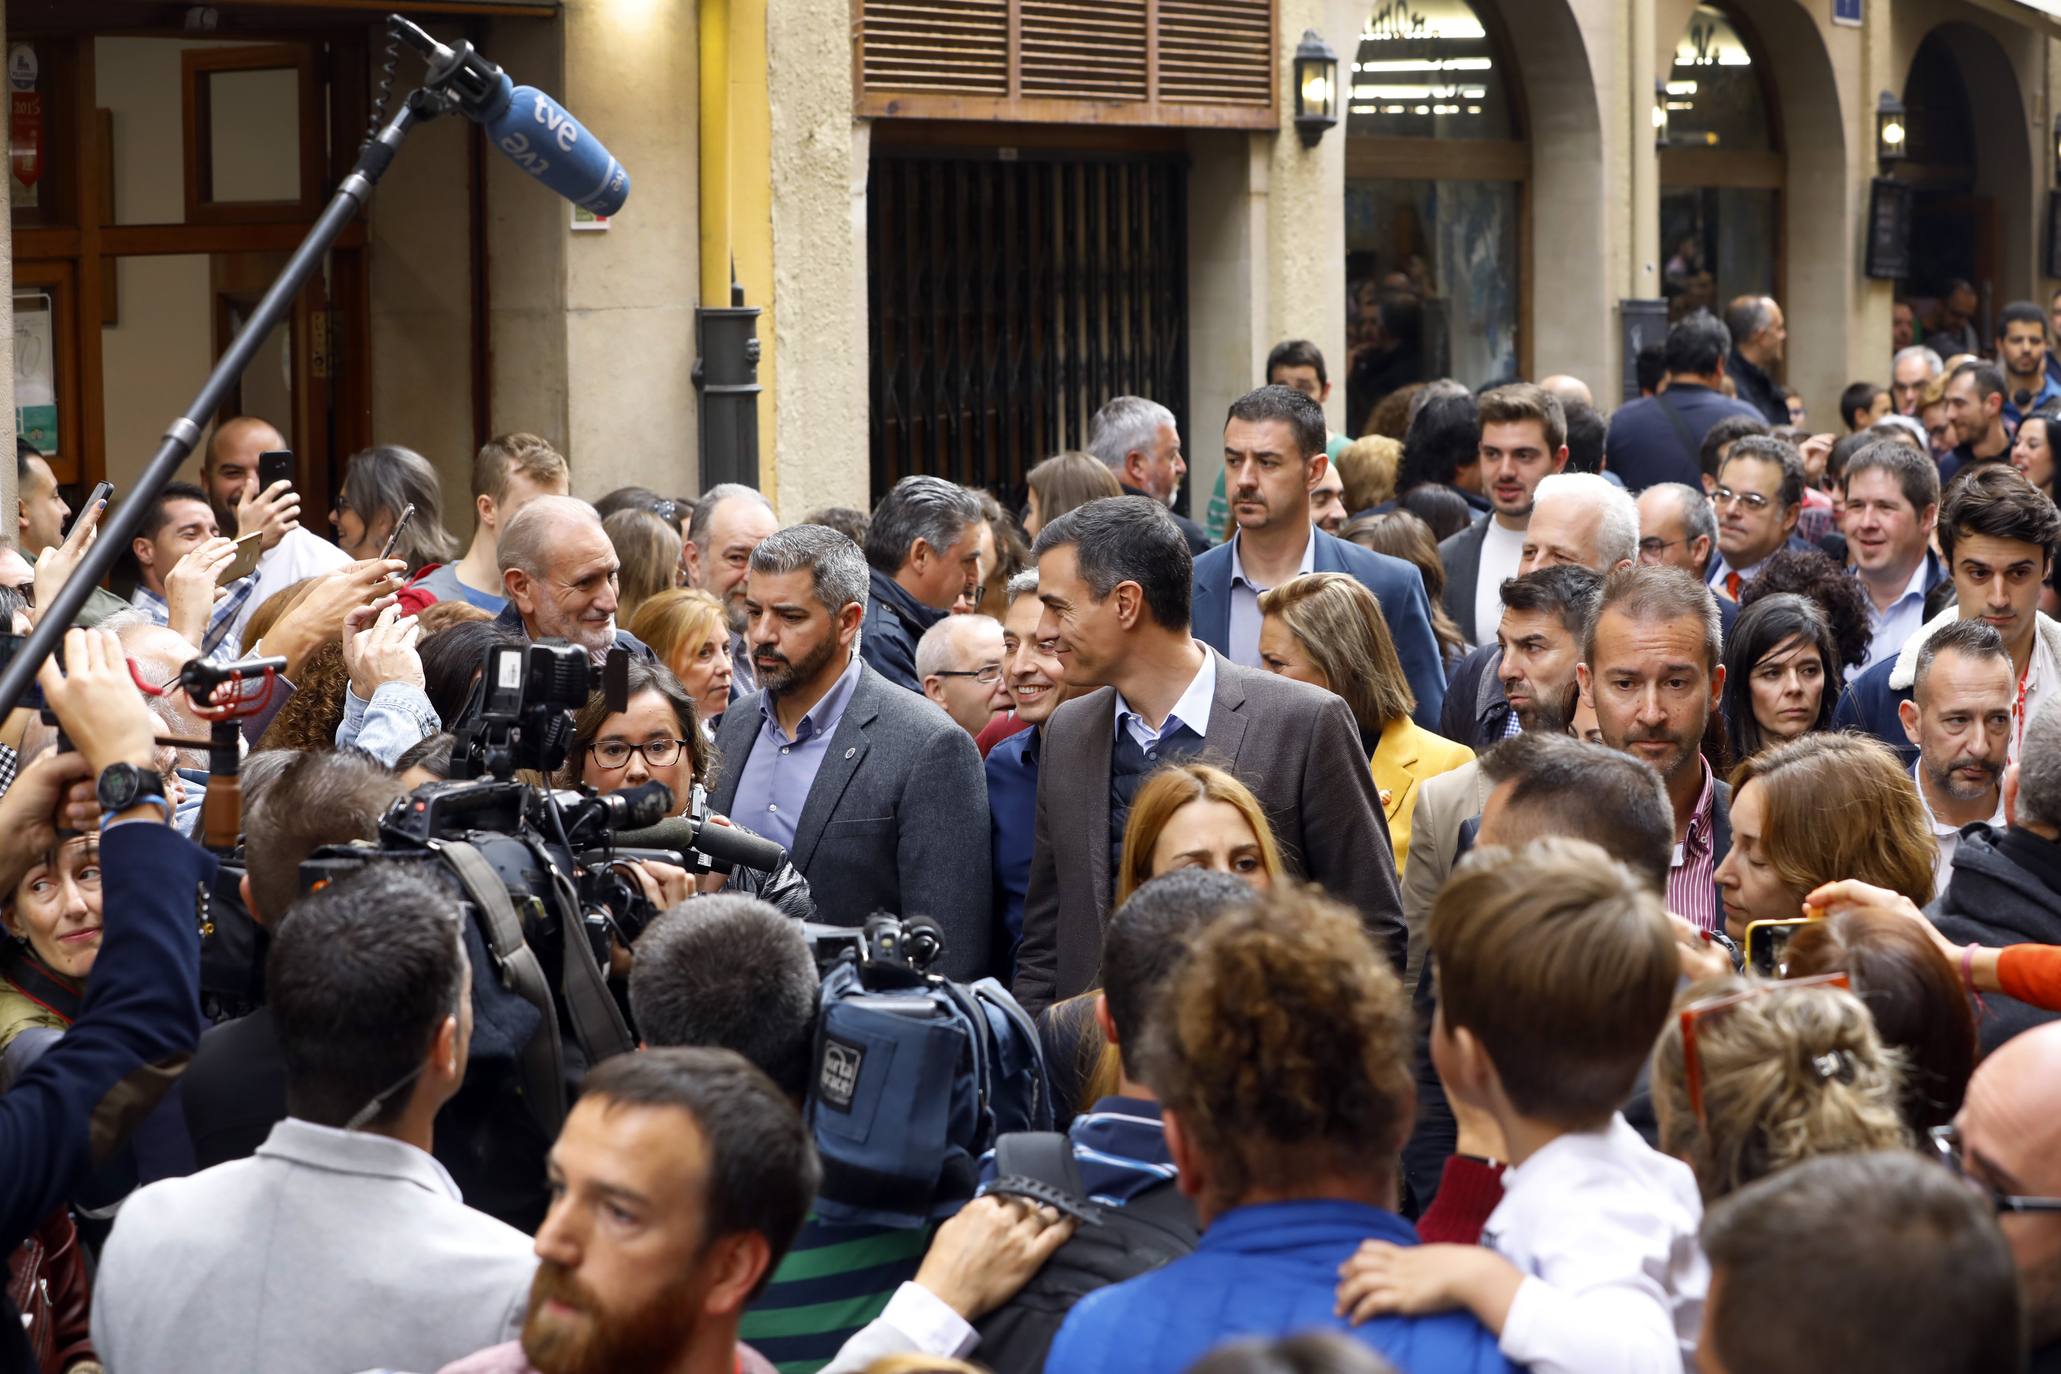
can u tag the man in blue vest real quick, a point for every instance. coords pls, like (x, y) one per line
(1273, 454)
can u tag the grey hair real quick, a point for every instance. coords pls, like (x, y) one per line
(918, 507)
(1746, 316)
(1699, 517)
(827, 555)
(1128, 424)
(1617, 535)
(1024, 583)
(525, 542)
(1934, 364)
(387, 477)
(939, 646)
(705, 507)
(2039, 767)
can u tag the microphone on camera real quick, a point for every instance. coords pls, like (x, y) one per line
(726, 845)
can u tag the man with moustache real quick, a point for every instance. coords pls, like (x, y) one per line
(1037, 685)
(1959, 717)
(875, 793)
(678, 1183)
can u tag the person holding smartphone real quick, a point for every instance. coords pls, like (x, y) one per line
(248, 474)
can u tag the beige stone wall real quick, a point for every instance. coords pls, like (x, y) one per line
(819, 165)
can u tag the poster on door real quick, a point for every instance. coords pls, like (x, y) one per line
(35, 371)
(24, 125)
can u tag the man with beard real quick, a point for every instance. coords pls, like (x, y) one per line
(678, 1183)
(342, 1243)
(1650, 668)
(729, 522)
(559, 570)
(875, 793)
(1959, 717)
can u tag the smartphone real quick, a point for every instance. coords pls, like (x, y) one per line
(248, 550)
(274, 466)
(101, 491)
(1767, 945)
(407, 514)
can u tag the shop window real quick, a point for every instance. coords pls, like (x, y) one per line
(1427, 69)
(1721, 172)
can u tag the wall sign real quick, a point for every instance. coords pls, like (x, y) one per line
(1847, 12)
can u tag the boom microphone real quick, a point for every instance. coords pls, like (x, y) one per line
(537, 134)
(530, 128)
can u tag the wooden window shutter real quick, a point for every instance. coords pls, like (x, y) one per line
(1207, 63)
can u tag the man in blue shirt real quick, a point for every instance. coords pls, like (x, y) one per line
(1659, 438)
(1283, 1116)
(1037, 685)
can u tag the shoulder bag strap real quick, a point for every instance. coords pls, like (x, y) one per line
(543, 1058)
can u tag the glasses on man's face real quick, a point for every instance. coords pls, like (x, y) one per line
(1700, 1012)
(1946, 1140)
(1654, 548)
(1752, 500)
(987, 674)
(612, 754)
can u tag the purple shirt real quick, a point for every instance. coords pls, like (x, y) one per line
(781, 769)
(1690, 892)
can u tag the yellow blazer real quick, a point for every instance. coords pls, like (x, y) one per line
(1405, 756)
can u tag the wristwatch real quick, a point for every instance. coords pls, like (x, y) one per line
(123, 785)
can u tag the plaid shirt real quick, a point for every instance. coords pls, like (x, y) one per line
(219, 643)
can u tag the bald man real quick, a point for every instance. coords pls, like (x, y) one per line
(959, 661)
(229, 475)
(2010, 1144)
(559, 570)
(1569, 389)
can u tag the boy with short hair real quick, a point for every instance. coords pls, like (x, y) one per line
(1556, 971)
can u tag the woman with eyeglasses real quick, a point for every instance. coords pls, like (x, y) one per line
(659, 739)
(1750, 1077)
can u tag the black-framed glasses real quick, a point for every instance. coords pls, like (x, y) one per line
(1946, 1140)
(612, 754)
(1752, 500)
(986, 676)
(1653, 548)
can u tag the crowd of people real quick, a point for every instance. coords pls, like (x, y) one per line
(1519, 888)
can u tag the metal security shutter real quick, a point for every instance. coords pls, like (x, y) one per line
(1167, 63)
(1011, 298)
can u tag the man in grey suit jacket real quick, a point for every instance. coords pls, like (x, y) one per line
(877, 795)
(1115, 578)
(341, 1244)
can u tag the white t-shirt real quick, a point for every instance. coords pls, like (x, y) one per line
(297, 557)
(1603, 1227)
(1500, 551)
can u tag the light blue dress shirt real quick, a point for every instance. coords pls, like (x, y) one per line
(1243, 640)
(781, 769)
(1192, 710)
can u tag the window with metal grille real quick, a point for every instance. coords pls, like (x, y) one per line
(1193, 63)
(1009, 299)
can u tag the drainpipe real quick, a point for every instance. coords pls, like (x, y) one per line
(726, 330)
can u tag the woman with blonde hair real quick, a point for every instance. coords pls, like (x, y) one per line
(1063, 482)
(1327, 630)
(686, 628)
(1368, 466)
(1813, 811)
(648, 547)
(1750, 1077)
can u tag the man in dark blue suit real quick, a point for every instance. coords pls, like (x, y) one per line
(1273, 455)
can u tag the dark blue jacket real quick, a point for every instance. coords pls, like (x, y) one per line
(140, 1016)
(1868, 705)
(894, 621)
(1266, 1270)
(1012, 768)
(1644, 447)
(1397, 585)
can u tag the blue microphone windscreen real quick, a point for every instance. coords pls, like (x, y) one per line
(537, 134)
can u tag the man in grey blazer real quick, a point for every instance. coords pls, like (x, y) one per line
(342, 1244)
(1115, 578)
(877, 795)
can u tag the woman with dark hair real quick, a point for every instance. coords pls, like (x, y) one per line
(1839, 593)
(1916, 998)
(1778, 664)
(2031, 452)
(1444, 437)
(1442, 508)
(658, 739)
(380, 483)
(1403, 534)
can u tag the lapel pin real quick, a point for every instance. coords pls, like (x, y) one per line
(851, 752)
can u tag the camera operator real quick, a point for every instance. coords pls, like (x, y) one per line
(730, 972)
(659, 739)
(236, 1089)
(140, 1017)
